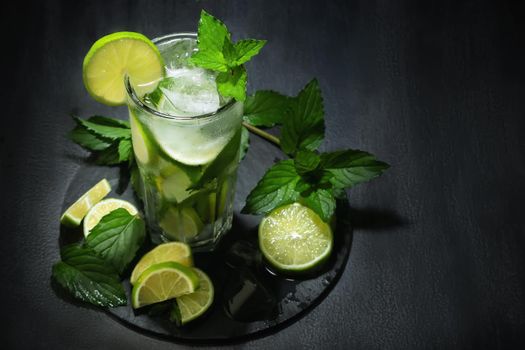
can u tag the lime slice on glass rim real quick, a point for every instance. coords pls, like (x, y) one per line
(116, 55)
(102, 208)
(293, 238)
(163, 281)
(195, 304)
(172, 251)
(73, 216)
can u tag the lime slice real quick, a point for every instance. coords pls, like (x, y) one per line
(205, 206)
(172, 251)
(102, 208)
(116, 55)
(175, 184)
(76, 212)
(195, 304)
(163, 281)
(294, 238)
(180, 224)
(142, 146)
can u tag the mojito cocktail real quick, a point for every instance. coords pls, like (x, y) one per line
(186, 140)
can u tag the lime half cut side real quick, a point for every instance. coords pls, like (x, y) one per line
(172, 251)
(116, 55)
(73, 216)
(294, 238)
(102, 208)
(163, 281)
(195, 304)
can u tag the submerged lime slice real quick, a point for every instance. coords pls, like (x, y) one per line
(142, 146)
(195, 304)
(163, 281)
(116, 55)
(294, 238)
(102, 208)
(180, 224)
(171, 251)
(76, 212)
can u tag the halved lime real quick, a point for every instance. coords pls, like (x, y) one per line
(294, 238)
(163, 281)
(76, 212)
(181, 223)
(102, 208)
(172, 251)
(195, 304)
(116, 55)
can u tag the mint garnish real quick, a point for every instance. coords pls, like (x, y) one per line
(276, 188)
(117, 238)
(265, 108)
(108, 138)
(303, 124)
(312, 178)
(88, 277)
(217, 52)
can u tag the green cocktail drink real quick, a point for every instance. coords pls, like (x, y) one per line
(186, 142)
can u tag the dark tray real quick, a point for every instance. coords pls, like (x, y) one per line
(250, 300)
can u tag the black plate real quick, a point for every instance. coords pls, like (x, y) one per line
(249, 300)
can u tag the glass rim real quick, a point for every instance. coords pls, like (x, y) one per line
(138, 103)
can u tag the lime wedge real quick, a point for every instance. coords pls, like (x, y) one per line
(102, 208)
(116, 55)
(172, 251)
(180, 224)
(195, 304)
(76, 212)
(163, 281)
(294, 238)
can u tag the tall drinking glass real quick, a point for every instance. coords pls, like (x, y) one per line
(186, 140)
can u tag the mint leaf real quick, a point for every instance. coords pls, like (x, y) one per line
(265, 108)
(98, 119)
(124, 150)
(106, 127)
(117, 237)
(88, 277)
(350, 167)
(233, 83)
(136, 180)
(276, 188)
(246, 49)
(211, 36)
(322, 201)
(245, 143)
(306, 161)
(108, 156)
(210, 60)
(88, 140)
(303, 126)
(229, 53)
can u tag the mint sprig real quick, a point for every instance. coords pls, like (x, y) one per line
(117, 238)
(312, 178)
(91, 271)
(217, 52)
(89, 277)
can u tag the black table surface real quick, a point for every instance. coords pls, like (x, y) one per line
(436, 89)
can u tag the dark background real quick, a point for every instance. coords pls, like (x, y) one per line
(436, 89)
